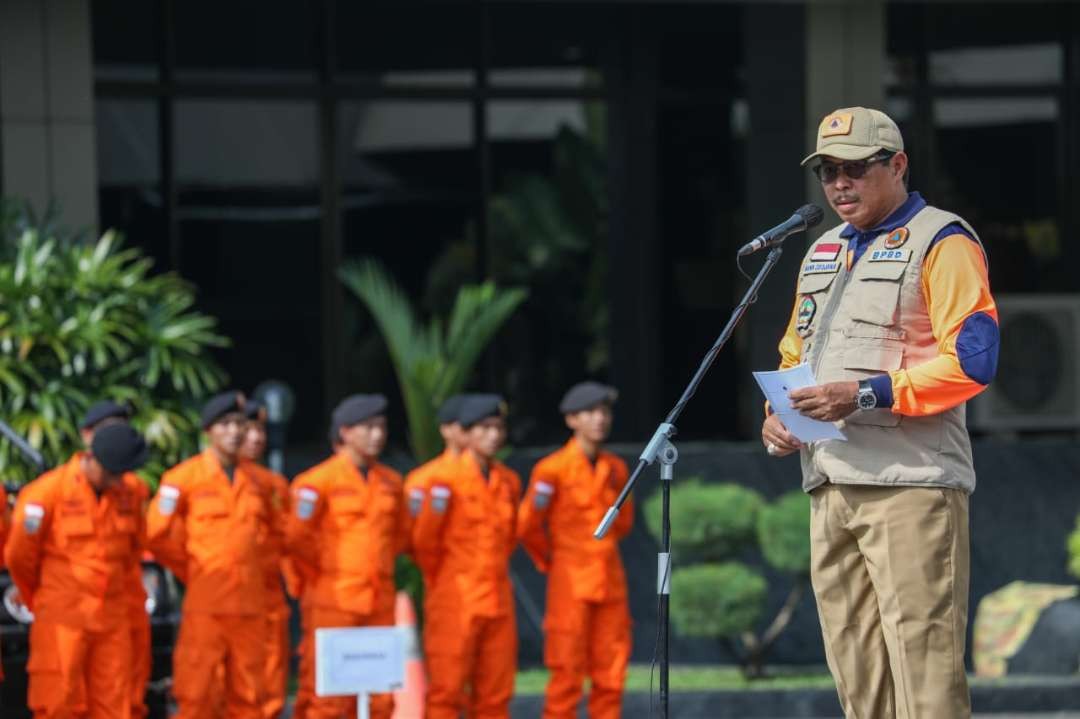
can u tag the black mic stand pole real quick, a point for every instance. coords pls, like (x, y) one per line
(661, 446)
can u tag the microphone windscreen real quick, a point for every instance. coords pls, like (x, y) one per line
(812, 214)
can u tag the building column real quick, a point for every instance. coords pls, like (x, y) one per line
(845, 67)
(47, 107)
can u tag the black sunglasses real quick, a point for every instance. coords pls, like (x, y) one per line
(827, 172)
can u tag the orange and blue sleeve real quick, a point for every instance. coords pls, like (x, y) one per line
(790, 344)
(964, 321)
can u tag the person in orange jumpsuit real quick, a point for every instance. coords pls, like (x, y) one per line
(77, 532)
(278, 567)
(304, 575)
(454, 441)
(587, 623)
(465, 534)
(5, 527)
(212, 522)
(348, 525)
(97, 416)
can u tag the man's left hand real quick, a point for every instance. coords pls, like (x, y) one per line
(827, 402)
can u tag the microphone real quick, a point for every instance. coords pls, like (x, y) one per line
(804, 218)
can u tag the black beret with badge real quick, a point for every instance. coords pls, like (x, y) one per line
(478, 407)
(586, 395)
(220, 405)
(449, 410)
(358, 408)
(101, 411)
(119, 448)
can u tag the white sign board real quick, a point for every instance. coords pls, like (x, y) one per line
(358, 660)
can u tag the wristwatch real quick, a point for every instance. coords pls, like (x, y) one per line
(865, 397)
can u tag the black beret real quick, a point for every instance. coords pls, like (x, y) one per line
(254, 409)
(119, 448)
(449, 410)
(478, 407)
(103, 410)
(357, 408)
(221, 405)
(586, 395)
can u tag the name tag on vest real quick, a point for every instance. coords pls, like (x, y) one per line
(890, 256)
(819, 268)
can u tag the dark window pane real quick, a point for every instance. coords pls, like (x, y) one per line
(249, 224)
(125, 36)
(547, 231)
(550, 45)
(246, 40)
(419, 44)
(129, 174)
(998, 168)
(410, 187)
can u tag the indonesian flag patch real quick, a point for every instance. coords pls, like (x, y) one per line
(826, 251)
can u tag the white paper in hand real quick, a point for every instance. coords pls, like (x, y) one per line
(776, 385)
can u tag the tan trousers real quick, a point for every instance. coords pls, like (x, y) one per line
(890, 567)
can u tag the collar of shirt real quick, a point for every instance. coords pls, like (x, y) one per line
(900, 217)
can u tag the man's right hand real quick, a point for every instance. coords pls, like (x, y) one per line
(776, 438)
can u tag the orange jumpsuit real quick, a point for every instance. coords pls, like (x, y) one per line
(347, 530)
(5, 527)
(213, 534)
(141, 659)
(277, 608)
(70, 554)
(464, 534)
(587, 624)
(416, 483)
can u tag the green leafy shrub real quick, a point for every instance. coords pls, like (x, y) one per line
(433, 360)
(714, 596)
(84, 321)
(716, 600)
(783, 533)
(708, 521)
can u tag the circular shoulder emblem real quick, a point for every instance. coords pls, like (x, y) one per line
(805, 316)
(896, 238)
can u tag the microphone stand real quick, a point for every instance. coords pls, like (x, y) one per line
(661, 446)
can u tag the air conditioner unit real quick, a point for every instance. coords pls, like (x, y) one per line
(1038, 377)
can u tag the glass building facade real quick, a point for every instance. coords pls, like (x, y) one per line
(608, 156)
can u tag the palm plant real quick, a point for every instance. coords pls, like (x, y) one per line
(432, 360)
(83, 321)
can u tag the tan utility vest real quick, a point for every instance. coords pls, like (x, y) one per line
(868, 321)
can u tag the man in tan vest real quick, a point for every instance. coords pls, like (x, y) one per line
(894, 315)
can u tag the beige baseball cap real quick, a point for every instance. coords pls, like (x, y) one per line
(856, 133)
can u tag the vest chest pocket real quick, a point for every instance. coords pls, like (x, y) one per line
(870, 350)
(875, 295)
(813, 283)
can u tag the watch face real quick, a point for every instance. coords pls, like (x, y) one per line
(867, 400)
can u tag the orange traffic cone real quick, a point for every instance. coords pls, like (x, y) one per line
(409, 702)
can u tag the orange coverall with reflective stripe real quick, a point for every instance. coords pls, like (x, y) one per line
(465, 534)
(587, 623)
(70, 554)
(214, 534)
(347, 530)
